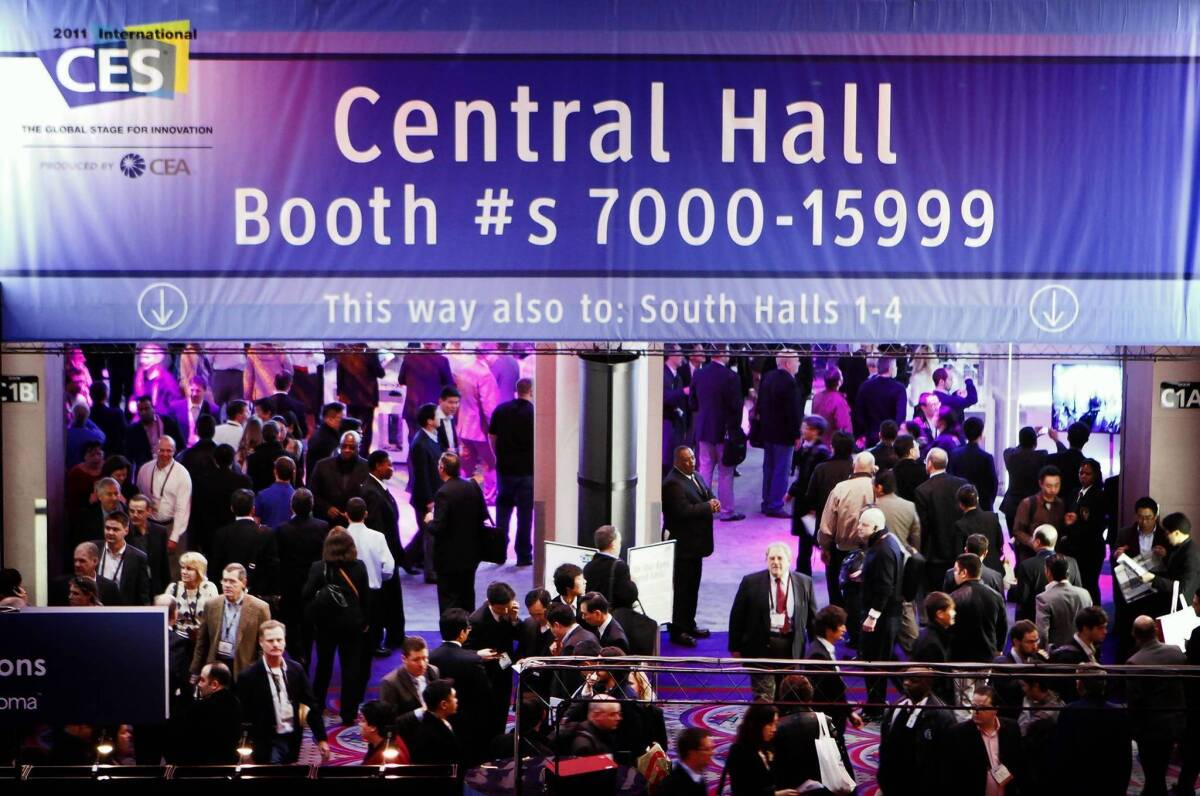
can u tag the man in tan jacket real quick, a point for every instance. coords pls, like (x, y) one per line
(229, 628)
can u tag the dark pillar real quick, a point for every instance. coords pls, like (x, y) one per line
(608, 469)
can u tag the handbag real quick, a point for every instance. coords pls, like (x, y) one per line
(834, 776)
(654, 766)
(1175, 627)
(733, 452)
(493, 544)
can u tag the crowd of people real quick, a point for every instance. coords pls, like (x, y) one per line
(918, 565)
(303, 533)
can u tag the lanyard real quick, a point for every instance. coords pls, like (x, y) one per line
(229, 621)
(277, 682)
(165, 479)
(116, 578)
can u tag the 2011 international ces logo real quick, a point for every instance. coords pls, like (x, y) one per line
(113, 64)
(133, 165)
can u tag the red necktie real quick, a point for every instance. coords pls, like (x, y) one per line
(781, 606)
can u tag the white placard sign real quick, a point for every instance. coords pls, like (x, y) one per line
(557, 554)
(652, 567)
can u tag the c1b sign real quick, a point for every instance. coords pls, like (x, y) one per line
(1179, 395)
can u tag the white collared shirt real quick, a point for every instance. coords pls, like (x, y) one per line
(170, 491)
(110, 562)
(229, 433)
(1145, 543)
(600, 630)
(431, 434)
(828, 647)
(442, 421)
(284, 712)
(374, 553)
(696, 776)
(789, 597)
(1088, 649)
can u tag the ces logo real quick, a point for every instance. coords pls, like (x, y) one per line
(133, 166)
(136, 61)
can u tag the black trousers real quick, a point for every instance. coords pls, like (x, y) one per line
(879, 645)
(688, 574)
(456, 590)
(348, 644)
(389, 615)
(1091, 560)
(832, 570)
(365, 414)
(1155, 754)
(804, 552)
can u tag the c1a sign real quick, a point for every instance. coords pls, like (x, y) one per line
(1179, 395)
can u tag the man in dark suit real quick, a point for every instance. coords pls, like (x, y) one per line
(124, 564)
(1097, 731)
(86, 562)
(90, 524)
(1069, 459)
(534, 639)
(423, 374)
(811, 454)
(1087, 522)
(675, 404)
(977, 544)
(1031, 573)
(271, 681)
(245, 542)
(885, 450)
(911, 735)
(141, 436)
(465, 669)
(965, 754)
(282, 402)
(212, 498)
(1023, 463)
(337, 479)
(448, 405)
(830, 473)
(882, 596)
(980, 622)
(325, 437)
(1145, 537)
(694, 748)
(186, 412)
(959, 403)
(880, 398)
(716, 400)
(571, 639)
(437, 737)
(404, 687)
(383, 515)
(151, 538)
(976, 465)
(975, 520)
(456, 525)
(938, 509)
(510, 432)
(1091, 628)
(598, 619)
(1183, 560)
(779, 411)
(358, 375)
(198, 459)
(207, 732)
(772, 616)
(933, 644)
(1156, 704)
(688, 509)
(909, 469)
(828, 687)
(494, 636)
(109, 419)
(607, 574)
(260, 465)
(300, 541)
(423, 484)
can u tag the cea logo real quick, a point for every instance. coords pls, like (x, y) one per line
(125, 63)
(133, 166)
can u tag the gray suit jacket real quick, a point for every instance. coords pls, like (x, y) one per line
(399, 689)
(1056, 609)
(901, 516)
(1151, 699)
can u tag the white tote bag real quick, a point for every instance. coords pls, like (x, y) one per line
(1177, 626)
(833, 770)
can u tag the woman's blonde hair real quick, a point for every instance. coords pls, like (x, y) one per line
(197, 562)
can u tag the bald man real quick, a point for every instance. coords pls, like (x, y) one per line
(938, 511)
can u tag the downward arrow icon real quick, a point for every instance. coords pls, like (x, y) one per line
(162, 315)
(1053, 317)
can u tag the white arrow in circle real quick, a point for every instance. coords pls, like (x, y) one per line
(1053, 317)
(162, 315)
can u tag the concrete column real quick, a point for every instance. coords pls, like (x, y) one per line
(556, 446)
(33, 459)
(650, 408)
